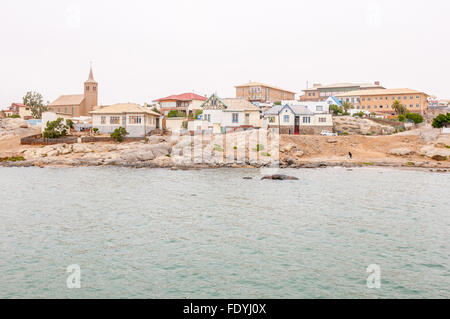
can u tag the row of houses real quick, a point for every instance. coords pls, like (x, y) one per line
(255, 105)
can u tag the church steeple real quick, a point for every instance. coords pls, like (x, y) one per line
(90, 92)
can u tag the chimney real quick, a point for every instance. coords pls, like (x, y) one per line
(377, 82)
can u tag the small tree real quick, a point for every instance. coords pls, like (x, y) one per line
(417, 118)
(55, 129)
(277, 103)
(336, 109)
(399, 108)
(119, 134)
(440, 120)
(347, 106)
(35, 102)
(69, 123)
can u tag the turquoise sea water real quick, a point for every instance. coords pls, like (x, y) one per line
(154, 233)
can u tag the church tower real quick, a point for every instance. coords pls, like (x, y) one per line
(90, 93)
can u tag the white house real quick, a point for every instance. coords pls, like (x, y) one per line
(230, 113)
(136, 119)
(314, 107)
(296, 119)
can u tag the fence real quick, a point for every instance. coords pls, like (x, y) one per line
(39, 140)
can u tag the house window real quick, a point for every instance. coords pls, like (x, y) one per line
(417, 105)
(73, 110)
(322, 119)
(319, 108)
(135, 120)
(272, 119)
(103, 120)
(235, 117)
(286, 118)
(114, 120)
(307, 120)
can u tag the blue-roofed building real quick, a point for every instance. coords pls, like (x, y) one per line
(334, 100)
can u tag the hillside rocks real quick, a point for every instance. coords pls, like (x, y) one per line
(13, 127)
(403, 151)
(356, 125)
(280, 177)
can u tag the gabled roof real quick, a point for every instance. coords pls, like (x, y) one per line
(234, 104)
(75, 99)
(182, 97)
(262, 84)
(124, 108)
(296, 109)
(336, 100)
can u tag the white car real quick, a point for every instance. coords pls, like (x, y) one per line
(327, 133)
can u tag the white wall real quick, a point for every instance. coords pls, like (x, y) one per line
(50, 117)
(175, 123)
(148, 123)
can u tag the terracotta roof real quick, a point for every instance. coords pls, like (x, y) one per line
(239, 105)
(74, 99)
(262, 84)
(124, 108)
(380, 92)
(183, 97)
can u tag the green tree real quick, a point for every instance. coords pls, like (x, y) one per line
(399, 108)
(347, 106)
(440, 120)
(277, 103)
(417, 118)
(336, 109)
(119, 134)
(69, 123)
(35, 102)
(55, 129)
(175, 113)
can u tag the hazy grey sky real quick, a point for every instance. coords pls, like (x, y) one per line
(143, 50)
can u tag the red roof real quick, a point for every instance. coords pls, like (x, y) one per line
(183, 97)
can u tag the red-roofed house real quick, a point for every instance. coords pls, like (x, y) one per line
(19, 109)
(186, 102)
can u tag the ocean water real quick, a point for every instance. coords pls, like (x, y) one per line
(154, 233)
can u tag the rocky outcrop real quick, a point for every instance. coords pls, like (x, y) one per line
(280, 177)
(356, 125)
(13, 127)
(403, 151)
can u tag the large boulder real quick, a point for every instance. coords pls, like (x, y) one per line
(356, 125)
(436, 153)
(280, 177)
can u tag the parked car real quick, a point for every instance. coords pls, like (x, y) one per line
(328, 133)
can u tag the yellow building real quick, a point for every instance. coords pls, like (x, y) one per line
(259, 92)
(380, 101)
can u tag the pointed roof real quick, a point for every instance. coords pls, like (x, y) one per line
(91, 77)
(182, 97)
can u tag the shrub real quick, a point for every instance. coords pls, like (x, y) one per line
(336, 109)
(14, 116)
(175, 113)
(417, 118)
(359, 114)
(12, 159)
(69, 123)
(440, 120)
(55, 129)
(95, 130)
(277, 103)
(401, 118)
(119, 134)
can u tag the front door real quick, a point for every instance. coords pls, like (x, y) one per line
(297, 125)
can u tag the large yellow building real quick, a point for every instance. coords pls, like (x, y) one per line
(380, 101)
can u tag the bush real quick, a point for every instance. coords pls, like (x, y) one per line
(336, 109)
(359, 114)
(95, 130)
(175, 113)
(69, 123)
(14, 116)
(55, 129)
(417, 118)
(440, 120)
(401, 118)
(119, 134)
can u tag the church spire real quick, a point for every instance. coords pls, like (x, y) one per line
(91, 75)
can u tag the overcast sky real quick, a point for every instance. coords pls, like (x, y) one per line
(143, 50)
